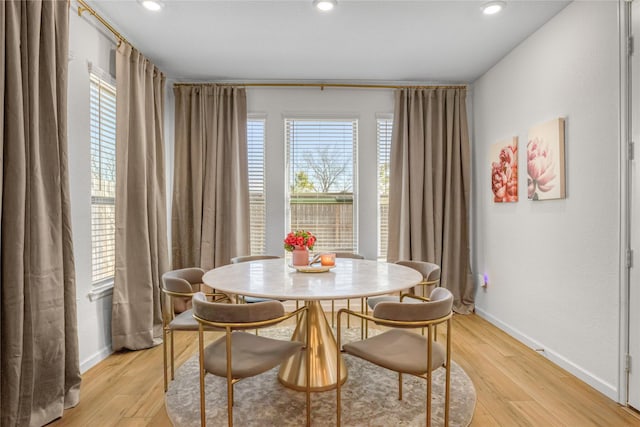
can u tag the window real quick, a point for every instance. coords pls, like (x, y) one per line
(103, 178)
(384, 155)
(321, 165)
(255, 157)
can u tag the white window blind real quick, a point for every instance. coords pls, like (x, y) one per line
(255, 151)
(321, 167)
(103, 178)
(384, 127)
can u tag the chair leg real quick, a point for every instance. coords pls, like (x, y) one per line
(332, 311)
(308, 368)
(429, 376)
(229, 381)
(348, 315)
(429, 373)
(361, 319)
(366, 323)
(338, 388)
(203, 417)
(399, 385)
(172, 364)
(447, 392)
(164, 356)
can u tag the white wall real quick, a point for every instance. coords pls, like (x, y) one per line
(94, 317)
(363, 104)
(553, 266)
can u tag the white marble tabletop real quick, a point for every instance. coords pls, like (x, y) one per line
(274, 278)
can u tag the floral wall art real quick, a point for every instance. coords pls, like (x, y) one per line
(504, 170)
(545, 161)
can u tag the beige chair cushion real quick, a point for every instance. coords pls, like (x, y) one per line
(250, 354)
(185, 280)
(236, 313)
(429, 271)
(181, 304)
(388, 307)
(349, 255)
(249, 258)
(440, 304)
(186, 322)
(373, 301)
(398, 350)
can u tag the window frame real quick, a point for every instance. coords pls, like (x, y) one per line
(382, 252)
(261, 118)
(106, 113)
(355, 121)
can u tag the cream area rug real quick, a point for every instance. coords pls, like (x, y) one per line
(369, 397)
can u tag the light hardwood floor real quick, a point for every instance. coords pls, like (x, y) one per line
(515, 385)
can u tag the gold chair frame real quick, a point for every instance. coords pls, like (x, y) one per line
(248, 258)
(228, 328)
(424, 283)
(351, 255)
(168, 331)
(431, 332)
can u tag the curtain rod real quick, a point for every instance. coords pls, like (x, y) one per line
(84, 7)
(323, 85)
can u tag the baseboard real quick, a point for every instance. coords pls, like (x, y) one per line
(602, 386)
(95, 359)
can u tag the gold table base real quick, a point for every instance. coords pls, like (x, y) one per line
(324, 351)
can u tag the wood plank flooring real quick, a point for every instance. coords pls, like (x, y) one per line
(515, 385)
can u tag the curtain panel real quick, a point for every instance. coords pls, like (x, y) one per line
(141, 223)
(429, 186)
(210, 211)
(39, 367)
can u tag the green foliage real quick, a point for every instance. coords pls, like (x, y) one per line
(302, 184)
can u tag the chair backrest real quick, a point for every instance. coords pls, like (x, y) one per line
(235, 313)
(349, 255)
(247, 258)
(430, 271)
(439, 306)
(182, 281)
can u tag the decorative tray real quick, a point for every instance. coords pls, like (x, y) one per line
(312, 268)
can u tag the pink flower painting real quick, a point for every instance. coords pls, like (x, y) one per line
(504, 171)
(545, 161)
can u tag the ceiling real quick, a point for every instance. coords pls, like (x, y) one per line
(359, 41)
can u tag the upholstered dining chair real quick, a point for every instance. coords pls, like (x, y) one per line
(430, 279)
(403, 350)
(350, 255)
(179, 286)
(237, 354)
(248, 258)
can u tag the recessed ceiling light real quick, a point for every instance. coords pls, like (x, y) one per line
(324, 5)
(493, 7)
(153, 5)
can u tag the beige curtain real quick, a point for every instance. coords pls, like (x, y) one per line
(39, 369)
(210, 215)
(429, 186)
(141, 223)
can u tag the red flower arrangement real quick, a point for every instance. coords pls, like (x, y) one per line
(299, 238)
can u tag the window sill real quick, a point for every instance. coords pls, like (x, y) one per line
(100, 291)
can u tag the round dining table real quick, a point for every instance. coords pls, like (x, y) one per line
(276, 279)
